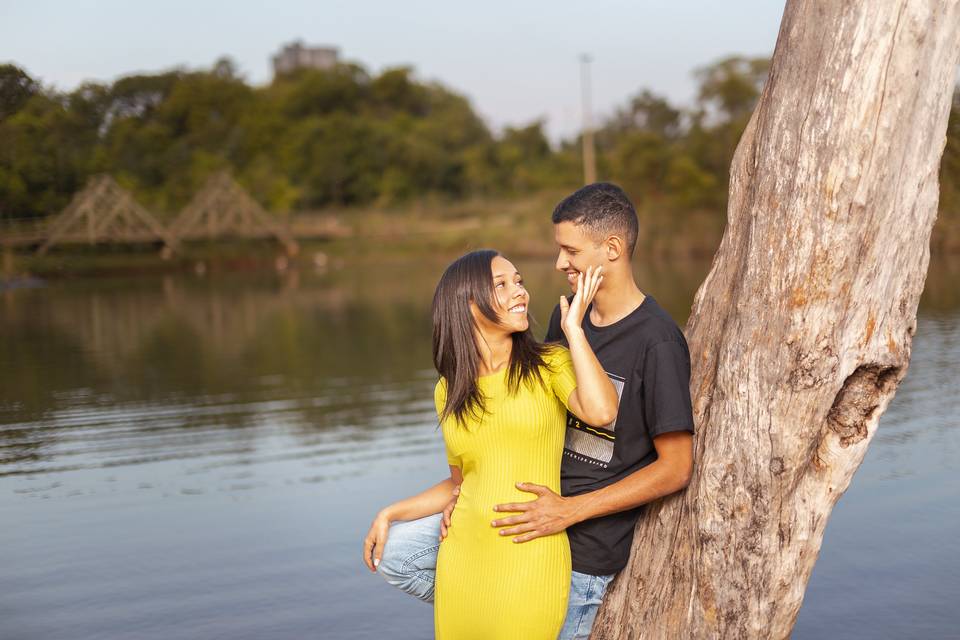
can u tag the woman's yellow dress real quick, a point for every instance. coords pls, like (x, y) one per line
(487, 586)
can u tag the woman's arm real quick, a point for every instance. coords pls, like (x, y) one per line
(594, 400)
(425, 503)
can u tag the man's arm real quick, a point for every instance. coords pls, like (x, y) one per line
(550, 513)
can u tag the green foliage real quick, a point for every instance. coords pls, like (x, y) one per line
(519, 162)
(343, 137)
(39, 167)
(16, 87)
(677, 161)
(731, 87)
(310, 139)
(646, 112)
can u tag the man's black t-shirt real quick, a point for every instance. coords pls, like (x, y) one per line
(646, 357)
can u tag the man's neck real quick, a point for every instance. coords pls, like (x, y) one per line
(616, 300)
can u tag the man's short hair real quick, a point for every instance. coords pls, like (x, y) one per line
(604, 209)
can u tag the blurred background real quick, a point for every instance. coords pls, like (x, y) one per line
(221, 225)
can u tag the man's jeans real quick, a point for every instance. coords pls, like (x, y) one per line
(586, 594)
(409, 563)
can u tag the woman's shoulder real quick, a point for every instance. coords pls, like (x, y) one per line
(440, 398)
(555, 353)
(556, 358)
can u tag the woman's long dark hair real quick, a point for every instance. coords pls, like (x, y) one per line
(456, 354)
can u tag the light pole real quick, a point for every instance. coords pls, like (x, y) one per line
(589, 157)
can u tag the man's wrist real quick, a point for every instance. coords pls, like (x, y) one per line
(578, 509)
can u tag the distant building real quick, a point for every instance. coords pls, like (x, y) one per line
(297, 56)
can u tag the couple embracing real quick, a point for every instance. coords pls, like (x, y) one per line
(553, 447)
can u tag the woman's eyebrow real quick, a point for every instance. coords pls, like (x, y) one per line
(503, 275)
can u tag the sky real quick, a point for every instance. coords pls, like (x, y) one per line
(516, 61)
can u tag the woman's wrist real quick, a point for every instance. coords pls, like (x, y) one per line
(387, 514)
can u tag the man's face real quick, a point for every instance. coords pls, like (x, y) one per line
(578, 250)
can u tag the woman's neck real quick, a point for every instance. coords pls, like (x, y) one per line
(495, 351)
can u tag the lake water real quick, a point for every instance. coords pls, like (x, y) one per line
(194, 456)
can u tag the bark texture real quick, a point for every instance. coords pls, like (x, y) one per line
(802, 330)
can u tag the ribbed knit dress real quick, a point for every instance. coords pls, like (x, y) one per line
(487, 586)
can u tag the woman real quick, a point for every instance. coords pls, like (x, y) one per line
(501, 400)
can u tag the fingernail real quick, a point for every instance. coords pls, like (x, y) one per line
(376, 562)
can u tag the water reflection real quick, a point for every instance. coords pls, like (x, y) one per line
(147, 417)
(114, 372)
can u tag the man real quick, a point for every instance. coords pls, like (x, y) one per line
(609, 471)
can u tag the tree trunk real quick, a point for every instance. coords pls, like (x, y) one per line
(802, 330)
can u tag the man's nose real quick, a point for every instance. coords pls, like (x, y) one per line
(562, 263)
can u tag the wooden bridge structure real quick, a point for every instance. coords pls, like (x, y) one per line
(106, 213)
(222, 208)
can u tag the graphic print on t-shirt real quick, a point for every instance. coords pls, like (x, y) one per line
(587, 443)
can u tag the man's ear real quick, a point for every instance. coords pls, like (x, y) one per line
(614, 248)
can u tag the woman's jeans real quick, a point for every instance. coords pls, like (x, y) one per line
(409, 563)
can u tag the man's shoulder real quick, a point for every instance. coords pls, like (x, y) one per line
(663, 328)
(655, 325)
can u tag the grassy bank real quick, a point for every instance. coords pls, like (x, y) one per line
(519, 227)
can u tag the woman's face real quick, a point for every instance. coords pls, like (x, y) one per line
(510, 297)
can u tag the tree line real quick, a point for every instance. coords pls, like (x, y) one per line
(345, 137)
